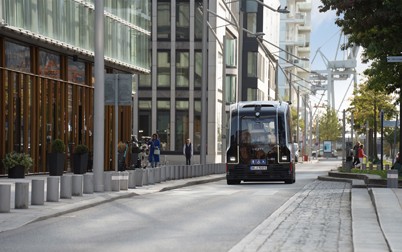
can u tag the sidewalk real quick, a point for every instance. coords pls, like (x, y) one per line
(20, 217)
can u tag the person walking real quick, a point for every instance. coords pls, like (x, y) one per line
(154, 150)
(188, 151)
(356, 160)
(361, 155)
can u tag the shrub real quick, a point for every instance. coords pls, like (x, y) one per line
(58, 146)
(81, 149)
(13, 159)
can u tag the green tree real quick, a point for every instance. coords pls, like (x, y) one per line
(376, 26)
(295, 118)
(366, 105)
(330, 127)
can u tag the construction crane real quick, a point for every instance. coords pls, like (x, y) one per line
(336, 70)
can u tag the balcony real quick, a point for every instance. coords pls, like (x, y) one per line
(304, 29)
(298, 18)
(304, 7)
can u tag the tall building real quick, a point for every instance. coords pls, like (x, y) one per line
(47, 72)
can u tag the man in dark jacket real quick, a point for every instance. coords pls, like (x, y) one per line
(188, 151)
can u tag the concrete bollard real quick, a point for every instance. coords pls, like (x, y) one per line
(107, 181)
(157, 176)
(123, 176)
(392, 179)
(131, 179)
(151, 176)
(88, 183)
(176, 172)
(21, 195)
(163, 173)
(115, 182)
(77, 185)
(145, 176)
(38, 192)
(138, 176)
(5, 198)
(363, 166)
(66, 187)
(53, 189)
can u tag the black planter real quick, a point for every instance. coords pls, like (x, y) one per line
(16, 172)
(80, 163)
(56, 163)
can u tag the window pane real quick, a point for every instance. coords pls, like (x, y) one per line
(163, 20)
(182, 21)
(163, 69)
(252, 64)
(163, 124)
(17, 57)
(230, 92)
(198, 20)
(197, 125)
(197, 69)
(231, 52)
(76, 71)
(182, 124)
(182, 69)
(145, 80)
(49, 64)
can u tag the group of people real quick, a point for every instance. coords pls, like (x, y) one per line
(358, 154)
(150, 152)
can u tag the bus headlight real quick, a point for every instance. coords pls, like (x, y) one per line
(284, 158)
(232, 159)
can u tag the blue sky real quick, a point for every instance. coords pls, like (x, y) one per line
(325, 35)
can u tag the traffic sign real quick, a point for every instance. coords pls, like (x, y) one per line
(391, 59)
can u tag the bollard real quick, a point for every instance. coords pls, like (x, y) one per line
(115, 182)
(107, 181)
(371, 166)
(363, 166)
(77, 185)
(123, 176)
(21, 195)
(88, 183)
(145, 176)
(66, 185)
(38, 192)
(5, 198)
(138, 176)
(392, 179)
(163, 173)
(131, 179)
(151, 176)
(176, 172)
(157, 176)
(53, 189)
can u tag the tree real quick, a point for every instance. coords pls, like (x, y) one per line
(295, 118)
(376, 26)
(330, 127)
(366, 105)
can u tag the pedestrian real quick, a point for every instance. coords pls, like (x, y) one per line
(356, 160)
(154, 150)
(361, 155)
(188, 151)
(122, 154)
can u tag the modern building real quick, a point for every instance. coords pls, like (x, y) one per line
(47, 72)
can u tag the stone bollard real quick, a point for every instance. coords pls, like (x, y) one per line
(176, 172)
(151, 176)
(77, 185)
(88, 183)
(123, 176)
(5, 198)
(38, 192)
(53, 189)
(392, 179)
(163, 173)
(115, 182)
(107, 181)
(21, 195)
(363, 166)
(66, 184)
(131, 179)
(157, 175)
(138, 176)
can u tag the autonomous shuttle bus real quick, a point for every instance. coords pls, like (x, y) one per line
(260, 144)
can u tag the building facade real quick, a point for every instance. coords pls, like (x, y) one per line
(47, 72)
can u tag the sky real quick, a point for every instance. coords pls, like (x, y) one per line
(325, 35)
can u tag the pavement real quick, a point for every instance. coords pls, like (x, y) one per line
(376, 213)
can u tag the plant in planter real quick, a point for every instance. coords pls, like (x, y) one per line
(57, 158)
(80, 159)
(17, 164)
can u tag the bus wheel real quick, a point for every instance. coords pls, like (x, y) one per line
(233, 182)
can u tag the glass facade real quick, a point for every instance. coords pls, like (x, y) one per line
(182, 124)
(73, 22)
(163, 69)
(163, 20)
(183, 20)
(182, 69)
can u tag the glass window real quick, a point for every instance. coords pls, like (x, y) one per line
(251, 94)
(76, 71)
(18, 57)
(49, 64)
(252, 22)
(163, 69)
(198, 20)
(230, 92)
(144, 118)
(182, 69)
(182, 20)
(197, 126)
(163, 124)
(231, 52)
(163, 20)
(197, 69)
(252, 64)
(145, 80)
(182, 124)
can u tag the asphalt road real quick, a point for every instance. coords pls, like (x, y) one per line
(208, 217)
